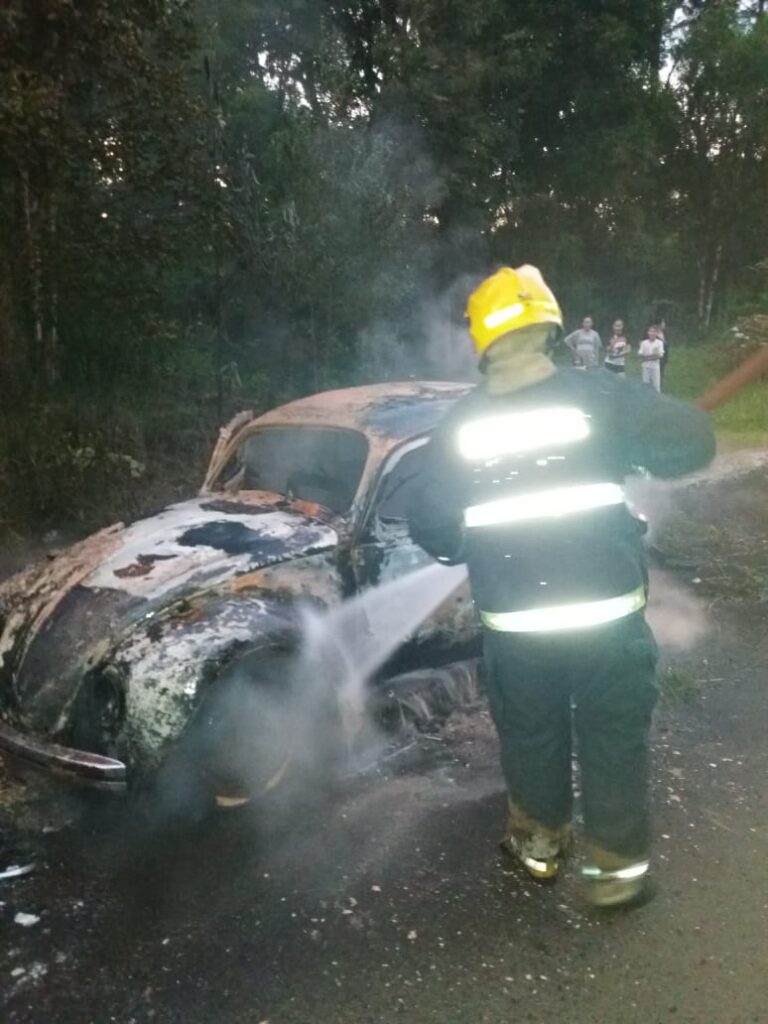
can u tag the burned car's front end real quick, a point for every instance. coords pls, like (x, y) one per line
(107, 650)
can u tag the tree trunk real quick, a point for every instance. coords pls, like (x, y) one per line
(51, 338)
(8, 354)
(709, 277)
(714, 277)
(35, 271)
(315, 348)
(701, 304)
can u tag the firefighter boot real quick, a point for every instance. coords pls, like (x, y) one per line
(538, 849)
(620, 886)
(538, 854)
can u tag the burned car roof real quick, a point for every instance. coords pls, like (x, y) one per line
(400, 409)
(386, 414)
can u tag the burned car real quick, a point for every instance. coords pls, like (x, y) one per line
(111, 652)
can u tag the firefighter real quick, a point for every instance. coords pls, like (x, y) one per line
(523, 481)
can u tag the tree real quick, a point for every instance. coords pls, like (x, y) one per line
(94, 126)
(718, 158)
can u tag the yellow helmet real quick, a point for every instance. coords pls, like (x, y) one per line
(508, 300)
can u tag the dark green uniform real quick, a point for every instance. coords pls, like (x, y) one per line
(526, 487)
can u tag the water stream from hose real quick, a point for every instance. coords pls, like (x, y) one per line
(308, 716)
(369, 627)
(351, 641)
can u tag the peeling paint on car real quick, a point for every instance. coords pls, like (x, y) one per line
(314, 579)
(251, 502)
(30, 599)
(196, 546)
(167, 679)
(238, 539)
(45, 659)
(401, 418)
(141, 567)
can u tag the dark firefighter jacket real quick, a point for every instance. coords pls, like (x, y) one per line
(526, 487)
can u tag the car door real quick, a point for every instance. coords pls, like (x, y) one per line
(385, 552)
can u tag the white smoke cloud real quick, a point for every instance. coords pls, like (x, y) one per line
(442, 350)
(676, 615)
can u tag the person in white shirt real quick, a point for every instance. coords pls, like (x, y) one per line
(618, 350)
(651, 353)
(585, 345)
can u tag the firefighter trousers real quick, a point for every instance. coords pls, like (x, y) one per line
(598, 687)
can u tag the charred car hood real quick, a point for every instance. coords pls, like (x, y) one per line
(63, 617)
(202, 541)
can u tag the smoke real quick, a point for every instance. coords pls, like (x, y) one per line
(415, 325)
(441, 349)
(653, 499)
(447, 348)
(676, 615)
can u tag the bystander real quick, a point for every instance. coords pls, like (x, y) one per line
(617, 350)
(651, 353)
(585, 344)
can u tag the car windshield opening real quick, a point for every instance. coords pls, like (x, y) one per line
(318, 464)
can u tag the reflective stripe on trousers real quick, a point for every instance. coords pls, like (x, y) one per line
(580, 615)
(631, 871)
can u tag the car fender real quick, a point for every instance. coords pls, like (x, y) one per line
(167, 666)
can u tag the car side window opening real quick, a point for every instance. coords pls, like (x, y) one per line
(399, 486)
(317, 464)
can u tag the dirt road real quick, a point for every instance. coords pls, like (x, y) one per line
(390, 903)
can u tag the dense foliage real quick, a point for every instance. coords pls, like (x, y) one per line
(206, 204)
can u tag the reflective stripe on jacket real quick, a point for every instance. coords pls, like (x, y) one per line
(527, 488)
(546, 521)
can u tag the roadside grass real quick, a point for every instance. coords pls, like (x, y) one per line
(693, 369)
(678, 685)
(717, 535)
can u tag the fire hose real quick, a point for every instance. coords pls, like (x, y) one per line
(747, 373)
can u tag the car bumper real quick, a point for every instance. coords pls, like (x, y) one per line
(77, 767)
